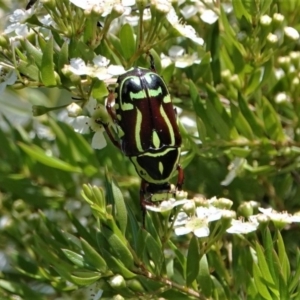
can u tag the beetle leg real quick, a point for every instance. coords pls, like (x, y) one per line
(152, 65)
(180, 178)
(110, 110)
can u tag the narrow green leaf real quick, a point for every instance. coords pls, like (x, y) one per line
(127, 40)
(63, 56)
(255, 123)
(265, 6)
(204, 278)
(121, 211)
(47, 67)
(39, 155)
(193, 258)
(266, 274)
(254, 81)
(155, 252)
(92, 257)
(240, 122)
(273, 127)
(84, 280)
(200, 110)
(75, 258)
(116, 265)
(219, 116)
(33, 53)
(269, 247)
(119, 248)
(283, 258)
(231, 35)
(260, 285)
(30, 70)
(19, 289)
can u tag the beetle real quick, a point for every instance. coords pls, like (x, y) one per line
(147, 129)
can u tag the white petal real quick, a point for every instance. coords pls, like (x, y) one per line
(181, 219)
(81, 124)
(99, 141)
(91, 105)
(115, 70)
(202, 232)
(182, 230)
(209, 16)
(101, 61)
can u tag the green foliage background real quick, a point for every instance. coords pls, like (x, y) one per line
(244, 133)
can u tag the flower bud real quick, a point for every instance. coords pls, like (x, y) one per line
(117, 282)
(291, 34)
(135, 285)
(4, 41)
(74, 110)
(245, 209)
(189, 208)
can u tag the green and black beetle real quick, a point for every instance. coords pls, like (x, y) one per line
(147, 129)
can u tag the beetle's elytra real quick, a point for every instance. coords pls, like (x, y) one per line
(147, 129)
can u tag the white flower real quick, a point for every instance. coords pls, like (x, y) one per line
(275, 216)
(17, 18)
(83, 124)
(100, 69)
(209, 16)
(166, 205)
(101, 7)
(198, 225)
(240, 227)
(184, 30)
(210, 213)
(7, 78)
(186, 225)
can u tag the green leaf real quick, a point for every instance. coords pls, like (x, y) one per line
(121, 211)
(260, 284)
(116, 265)
(254, 81)
(85, 280)
(19, 289)
(47, 67)
(241, 122)
(99, 90)
(92, 257)
(218, 116)
(204, 278)
(240, 10)
(119, 248)
(155, 252)
(127, 40)
(29, 70)
(39, 155)
(201, 111)
(33, 53)
(273, 127)
(63, 57)
(192, 265)
(254, 122)
(283, 258)
(75, 258)
(262, 263)
(269, 248)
